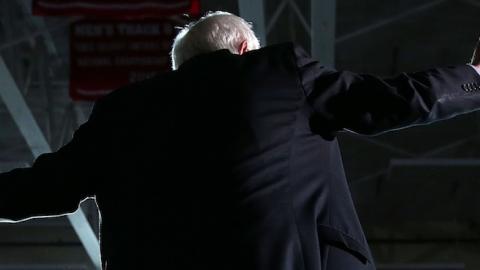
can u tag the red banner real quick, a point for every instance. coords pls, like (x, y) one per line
(104, 55)
(116, 8)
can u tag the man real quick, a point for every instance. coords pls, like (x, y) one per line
(231, 161)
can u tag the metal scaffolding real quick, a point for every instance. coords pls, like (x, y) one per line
(38, 142)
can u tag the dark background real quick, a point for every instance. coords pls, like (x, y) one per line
(416, 190)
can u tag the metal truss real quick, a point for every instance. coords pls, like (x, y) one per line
(38, 141)
(321, 28)
(38, 144)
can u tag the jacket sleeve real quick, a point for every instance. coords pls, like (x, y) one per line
(57, 182)
(368, 104)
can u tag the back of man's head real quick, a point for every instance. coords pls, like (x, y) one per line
(215, 31)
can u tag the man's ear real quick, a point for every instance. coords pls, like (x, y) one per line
(243, 48)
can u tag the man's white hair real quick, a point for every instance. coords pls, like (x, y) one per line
(214, 31)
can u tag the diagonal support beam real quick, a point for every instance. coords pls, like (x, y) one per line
(300, 16)
(80, 116)
(39, 33)
(39, 22)
(22, 116)
(385, 22)
(274, 18)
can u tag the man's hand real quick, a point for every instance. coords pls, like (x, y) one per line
(476, 55)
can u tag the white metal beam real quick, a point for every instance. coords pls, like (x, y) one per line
(253, 11)
(80, 116)
(322, 31)
(23, 118)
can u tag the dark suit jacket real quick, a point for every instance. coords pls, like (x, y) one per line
(231, 162)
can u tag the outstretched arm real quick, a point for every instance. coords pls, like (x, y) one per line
(368, 104)
(57, 182)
